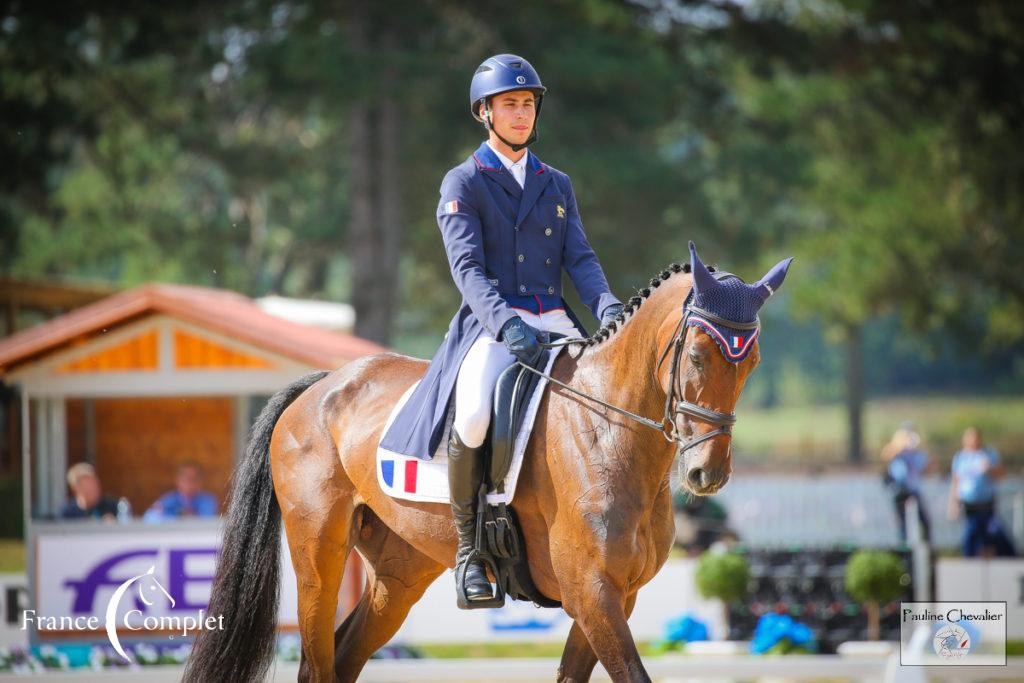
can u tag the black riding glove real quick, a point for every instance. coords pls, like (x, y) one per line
(521, 340)
(611, 313)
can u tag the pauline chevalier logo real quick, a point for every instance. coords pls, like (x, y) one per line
(951, 641)
(953, 633)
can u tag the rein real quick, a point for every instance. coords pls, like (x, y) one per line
(674, 404)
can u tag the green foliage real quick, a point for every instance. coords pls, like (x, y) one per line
(812, 434)
(786, 647)
(722, 575)
(875, 576)
(868, 138)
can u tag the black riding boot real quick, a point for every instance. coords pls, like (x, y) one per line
(465, 475)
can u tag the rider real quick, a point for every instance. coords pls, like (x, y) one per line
(509, 224)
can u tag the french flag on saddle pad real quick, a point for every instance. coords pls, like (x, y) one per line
(404, 476)
(400, 475)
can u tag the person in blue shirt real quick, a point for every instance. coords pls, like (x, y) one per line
(975, 469)
(186, 500)
(907, 463)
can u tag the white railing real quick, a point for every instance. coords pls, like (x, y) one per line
(667, 669)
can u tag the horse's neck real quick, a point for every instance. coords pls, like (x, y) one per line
(622, 371)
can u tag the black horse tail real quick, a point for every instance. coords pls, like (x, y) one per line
(246, 586)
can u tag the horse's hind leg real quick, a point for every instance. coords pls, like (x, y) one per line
(578, 658)
(318, 510)
(396, 577)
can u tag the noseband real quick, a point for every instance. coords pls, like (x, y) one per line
(674, 401)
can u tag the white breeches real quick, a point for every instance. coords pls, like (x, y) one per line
(483, 364)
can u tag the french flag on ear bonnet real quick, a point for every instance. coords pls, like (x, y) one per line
(727, 298)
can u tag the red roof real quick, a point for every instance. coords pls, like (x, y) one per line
(221, 310)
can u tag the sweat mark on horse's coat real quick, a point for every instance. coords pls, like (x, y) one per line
(291, 443)
(380, 596)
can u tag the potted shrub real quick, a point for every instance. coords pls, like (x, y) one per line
(873, 578)
(723, 575)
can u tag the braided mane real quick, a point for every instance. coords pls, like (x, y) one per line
(606, 331)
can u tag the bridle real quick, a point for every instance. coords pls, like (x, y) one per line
(675, 403)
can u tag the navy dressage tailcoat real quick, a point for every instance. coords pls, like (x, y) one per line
(506, 247)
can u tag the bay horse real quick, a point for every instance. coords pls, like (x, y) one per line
(593, 497)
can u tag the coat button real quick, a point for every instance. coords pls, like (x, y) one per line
(547, 231)
(517, 228)
(522, 288)
(521, 258)
(551, 290)
(547, 261)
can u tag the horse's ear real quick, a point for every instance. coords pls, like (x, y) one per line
(703, 280)
(773, 279)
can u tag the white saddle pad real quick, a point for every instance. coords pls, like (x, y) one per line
(403, 476)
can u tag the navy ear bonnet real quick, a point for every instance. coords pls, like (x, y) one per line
(726, 307)
(730, 301)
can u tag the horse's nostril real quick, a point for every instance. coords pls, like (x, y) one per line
(698, 477)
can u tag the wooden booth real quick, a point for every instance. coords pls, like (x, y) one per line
(139, 382)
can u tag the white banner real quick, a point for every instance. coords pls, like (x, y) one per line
(435, 618)
(1001, 579)
(146, 579)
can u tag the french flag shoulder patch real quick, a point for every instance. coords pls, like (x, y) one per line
(451, 207)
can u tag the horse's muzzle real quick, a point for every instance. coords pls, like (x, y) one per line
(704, 479)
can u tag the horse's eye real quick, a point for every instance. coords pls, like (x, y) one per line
(696, 359)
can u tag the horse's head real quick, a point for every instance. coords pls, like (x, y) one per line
(714, 361)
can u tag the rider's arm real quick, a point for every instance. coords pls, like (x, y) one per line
(580, 261)
(462, 233)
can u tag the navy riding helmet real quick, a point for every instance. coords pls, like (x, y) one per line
(504, 73)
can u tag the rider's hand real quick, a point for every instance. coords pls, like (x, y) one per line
(610, 313)
(521, 340)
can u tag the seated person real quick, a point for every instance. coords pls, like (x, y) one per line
(88, 501)
(186, 500)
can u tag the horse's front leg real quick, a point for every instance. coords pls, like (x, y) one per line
(600, 605)
(578, 658)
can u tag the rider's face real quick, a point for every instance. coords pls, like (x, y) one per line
(513, 114)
